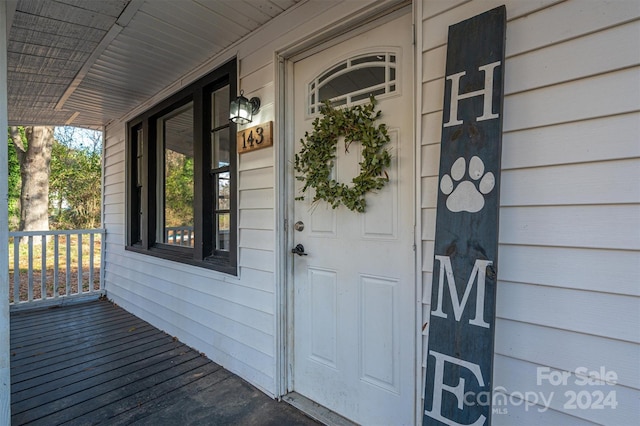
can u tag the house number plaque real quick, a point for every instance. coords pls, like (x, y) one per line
(256, 137)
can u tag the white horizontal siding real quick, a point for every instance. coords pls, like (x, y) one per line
(596, 270)
(256, 198)
(257, 218)
(553, 347)
(591, 141)
(614, 182)
(602, 95)
(569, 255)
(588, 312)
(596, 226)
(257, 178)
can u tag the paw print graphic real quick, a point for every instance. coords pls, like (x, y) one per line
(468, 195)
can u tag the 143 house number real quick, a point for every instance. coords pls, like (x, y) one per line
(256, 137)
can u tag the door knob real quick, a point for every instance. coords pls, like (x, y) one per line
(299, 250)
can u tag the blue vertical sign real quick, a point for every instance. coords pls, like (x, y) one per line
(461, 325)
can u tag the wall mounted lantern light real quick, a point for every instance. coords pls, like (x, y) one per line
(242, 109)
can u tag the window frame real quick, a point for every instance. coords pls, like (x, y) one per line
(388, 61)
(142, 201)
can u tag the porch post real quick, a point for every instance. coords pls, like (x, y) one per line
(5, 391)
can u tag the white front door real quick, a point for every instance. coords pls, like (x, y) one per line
(354, 291)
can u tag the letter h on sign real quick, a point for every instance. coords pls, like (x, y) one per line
(486, 93)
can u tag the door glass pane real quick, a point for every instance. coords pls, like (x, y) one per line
(366, 59)
(354, 81)
(332, 71)
(176, 131)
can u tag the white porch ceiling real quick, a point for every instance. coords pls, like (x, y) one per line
(87, 62)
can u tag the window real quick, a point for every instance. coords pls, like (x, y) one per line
(181, 176)
(354, 80)
(175, 137)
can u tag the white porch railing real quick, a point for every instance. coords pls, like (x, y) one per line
(179, 235)
(53, 267)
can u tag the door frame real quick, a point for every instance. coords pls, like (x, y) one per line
(285, 183)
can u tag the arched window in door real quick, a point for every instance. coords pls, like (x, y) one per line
(355, 79)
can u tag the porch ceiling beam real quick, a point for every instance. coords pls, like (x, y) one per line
(123, 20)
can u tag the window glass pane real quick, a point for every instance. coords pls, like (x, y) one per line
(353, 81)
(177, 138)
(220, 121)
(139, 136)
(137, 238)
(220, 149)
(139, 171)
(223, 191)
(220, 107)
(223, 221)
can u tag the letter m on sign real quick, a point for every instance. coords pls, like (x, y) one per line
(479, 271)
(463, 289)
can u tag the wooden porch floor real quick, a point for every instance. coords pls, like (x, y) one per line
(94, 363)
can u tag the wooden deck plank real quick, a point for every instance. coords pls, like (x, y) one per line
(124, 412)
(67, 336)
(64, 343)
(82, 400)
(95, 363)
(45, 327)
(112, 404)
(101, 353)
(92, 376)
(51, 328)
(52, 316)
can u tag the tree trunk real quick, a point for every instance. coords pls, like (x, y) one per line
(34, 170)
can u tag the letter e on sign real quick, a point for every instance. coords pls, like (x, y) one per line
(256, 137)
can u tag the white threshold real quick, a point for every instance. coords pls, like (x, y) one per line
(316, 411)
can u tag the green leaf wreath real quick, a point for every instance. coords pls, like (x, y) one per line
(317, 157)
